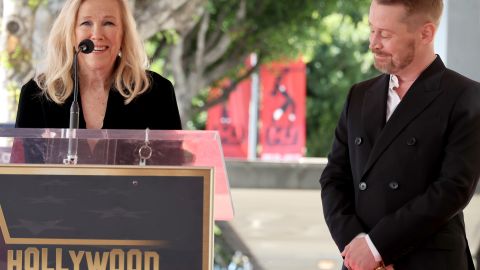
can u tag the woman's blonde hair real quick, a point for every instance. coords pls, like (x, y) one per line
(129, 76)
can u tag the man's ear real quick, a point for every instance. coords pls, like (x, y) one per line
(427, 33)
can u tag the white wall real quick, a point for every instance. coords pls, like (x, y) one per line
(463, 37)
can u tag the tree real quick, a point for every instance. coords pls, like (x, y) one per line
(341, 59)
(229, 30)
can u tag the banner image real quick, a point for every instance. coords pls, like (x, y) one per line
(231, 120)
(282, 111)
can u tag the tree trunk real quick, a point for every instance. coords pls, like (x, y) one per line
(153, 16)
(196, 58)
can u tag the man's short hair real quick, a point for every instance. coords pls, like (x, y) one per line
(430, 10)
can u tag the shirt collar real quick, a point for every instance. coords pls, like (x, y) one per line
(393, 83)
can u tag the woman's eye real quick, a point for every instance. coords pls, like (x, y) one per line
(109, 23)
(86, 23)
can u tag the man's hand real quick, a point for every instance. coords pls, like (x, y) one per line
(358, 256)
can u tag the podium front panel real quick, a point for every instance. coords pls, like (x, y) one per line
(105, 217)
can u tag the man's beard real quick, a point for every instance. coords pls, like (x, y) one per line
(393, 66)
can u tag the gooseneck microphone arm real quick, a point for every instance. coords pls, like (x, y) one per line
(86, 46)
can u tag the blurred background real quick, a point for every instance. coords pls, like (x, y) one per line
(271, 76)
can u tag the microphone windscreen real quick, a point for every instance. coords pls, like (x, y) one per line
(86, 46)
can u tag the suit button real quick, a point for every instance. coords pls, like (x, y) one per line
(393, 185)
(412, 141)
(362, 186)
(358, 140)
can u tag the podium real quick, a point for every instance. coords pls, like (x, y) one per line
(136, 199)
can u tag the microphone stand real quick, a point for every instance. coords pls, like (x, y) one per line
(86, 46)
(74, 118)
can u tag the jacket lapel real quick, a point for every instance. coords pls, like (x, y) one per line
(422, 93)
(374, 108)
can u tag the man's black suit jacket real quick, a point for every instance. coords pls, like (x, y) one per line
(154, 109)
(405, 182)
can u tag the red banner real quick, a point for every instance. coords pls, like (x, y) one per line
(283, 112)
(231, 120)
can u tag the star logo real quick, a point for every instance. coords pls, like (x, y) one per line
(118, 213)
(38, 227)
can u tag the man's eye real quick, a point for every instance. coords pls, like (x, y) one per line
(385, 34)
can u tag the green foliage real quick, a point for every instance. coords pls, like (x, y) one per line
(199, 120)
(5, 60)
(34, 4)
(12, 62)
(222, 251)
(272, 29)
(341, 59)
(12, 59)
(13, 90)
(279, 29)
(155, 49)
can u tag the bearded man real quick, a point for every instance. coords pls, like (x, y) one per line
(405, 160)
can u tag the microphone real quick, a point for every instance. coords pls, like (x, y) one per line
(86, 46)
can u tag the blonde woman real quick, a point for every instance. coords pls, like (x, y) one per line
(115, 89)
